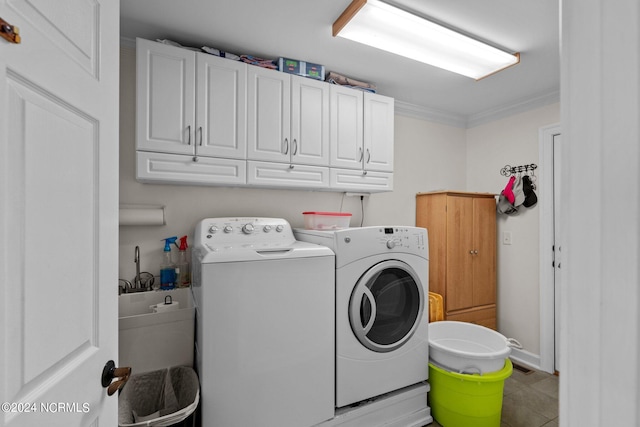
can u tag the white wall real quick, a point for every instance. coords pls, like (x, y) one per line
(427, 156)
(514, 141)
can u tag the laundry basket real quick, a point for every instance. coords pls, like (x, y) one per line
(436, 307)
(161, 398)
(465, 400)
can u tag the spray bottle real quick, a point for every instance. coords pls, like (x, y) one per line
(184, 278)
(167, 267)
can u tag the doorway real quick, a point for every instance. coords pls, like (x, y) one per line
(548, 187)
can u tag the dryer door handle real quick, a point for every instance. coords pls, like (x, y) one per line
(367, 292)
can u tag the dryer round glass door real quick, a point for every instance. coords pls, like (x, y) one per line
(386, 306)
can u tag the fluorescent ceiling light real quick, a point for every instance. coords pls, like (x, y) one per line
(386, 27)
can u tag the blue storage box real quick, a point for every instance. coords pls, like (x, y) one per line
(301, 68)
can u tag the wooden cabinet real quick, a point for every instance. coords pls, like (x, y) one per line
(462, 252)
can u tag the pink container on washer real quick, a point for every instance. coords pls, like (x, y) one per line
(326, 220)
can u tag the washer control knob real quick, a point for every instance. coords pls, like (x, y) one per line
(279, 228)
(266, 228)
(228, 229)
(391, 244)
(248, 228)
(213, 229)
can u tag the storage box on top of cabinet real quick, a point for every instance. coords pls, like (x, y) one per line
(462, 248)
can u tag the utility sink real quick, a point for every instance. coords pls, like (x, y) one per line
(151, 340)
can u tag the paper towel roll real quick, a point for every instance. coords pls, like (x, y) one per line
(142, 215)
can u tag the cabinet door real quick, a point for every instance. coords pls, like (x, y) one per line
(378, 132)
(269, 114)
(309, 121)
(460, 253)
(347, 149)
(165, 98)
(221, 100)
(484, 262)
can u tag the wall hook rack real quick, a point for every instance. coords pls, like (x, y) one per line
(509, 170)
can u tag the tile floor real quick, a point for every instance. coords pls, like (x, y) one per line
(530, 400)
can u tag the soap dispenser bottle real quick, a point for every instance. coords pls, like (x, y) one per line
(184, 276)
(167, 267)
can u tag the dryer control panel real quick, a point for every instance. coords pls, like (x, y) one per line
(406, 237)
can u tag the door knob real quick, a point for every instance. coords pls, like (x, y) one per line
(110, 372)
(9, 32)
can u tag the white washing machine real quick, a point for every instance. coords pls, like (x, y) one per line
(265, 324)
(381, 296)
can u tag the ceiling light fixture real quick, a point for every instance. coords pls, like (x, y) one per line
(383, 26)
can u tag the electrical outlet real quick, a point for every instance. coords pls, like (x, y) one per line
(506, 237)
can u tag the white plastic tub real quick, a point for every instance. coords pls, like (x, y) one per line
(467, 348)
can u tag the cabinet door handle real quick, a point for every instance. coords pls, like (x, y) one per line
(360, 154)
(200, 130)
(294, 148)
(368, 155)
(189, 135)
(285, 146)
(471, 252)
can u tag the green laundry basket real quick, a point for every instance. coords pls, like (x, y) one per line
(464, 400)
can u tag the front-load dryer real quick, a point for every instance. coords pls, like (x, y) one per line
(381, 292)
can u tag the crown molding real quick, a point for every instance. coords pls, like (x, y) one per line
(430, 114)
(461, 121)
(521, 106)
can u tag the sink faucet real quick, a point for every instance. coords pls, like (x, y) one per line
(136, 282)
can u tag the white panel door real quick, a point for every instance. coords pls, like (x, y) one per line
(346, 128)
(58, 212)
(378, 132)
(221, 107)
(165, 96)
(269, 114)
(309, 121)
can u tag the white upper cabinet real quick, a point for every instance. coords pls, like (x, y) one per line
(190, 103)
(361, 130)
(347, 125)
(207, 120)
(309, 121)
(288, 118)
(165, 98)
(221, 107)
(269, 115)
(378, 133)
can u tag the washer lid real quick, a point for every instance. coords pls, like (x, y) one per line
(262, 252)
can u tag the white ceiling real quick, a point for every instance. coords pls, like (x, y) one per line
(301, 29)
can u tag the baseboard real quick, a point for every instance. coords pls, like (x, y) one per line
(526, 358)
